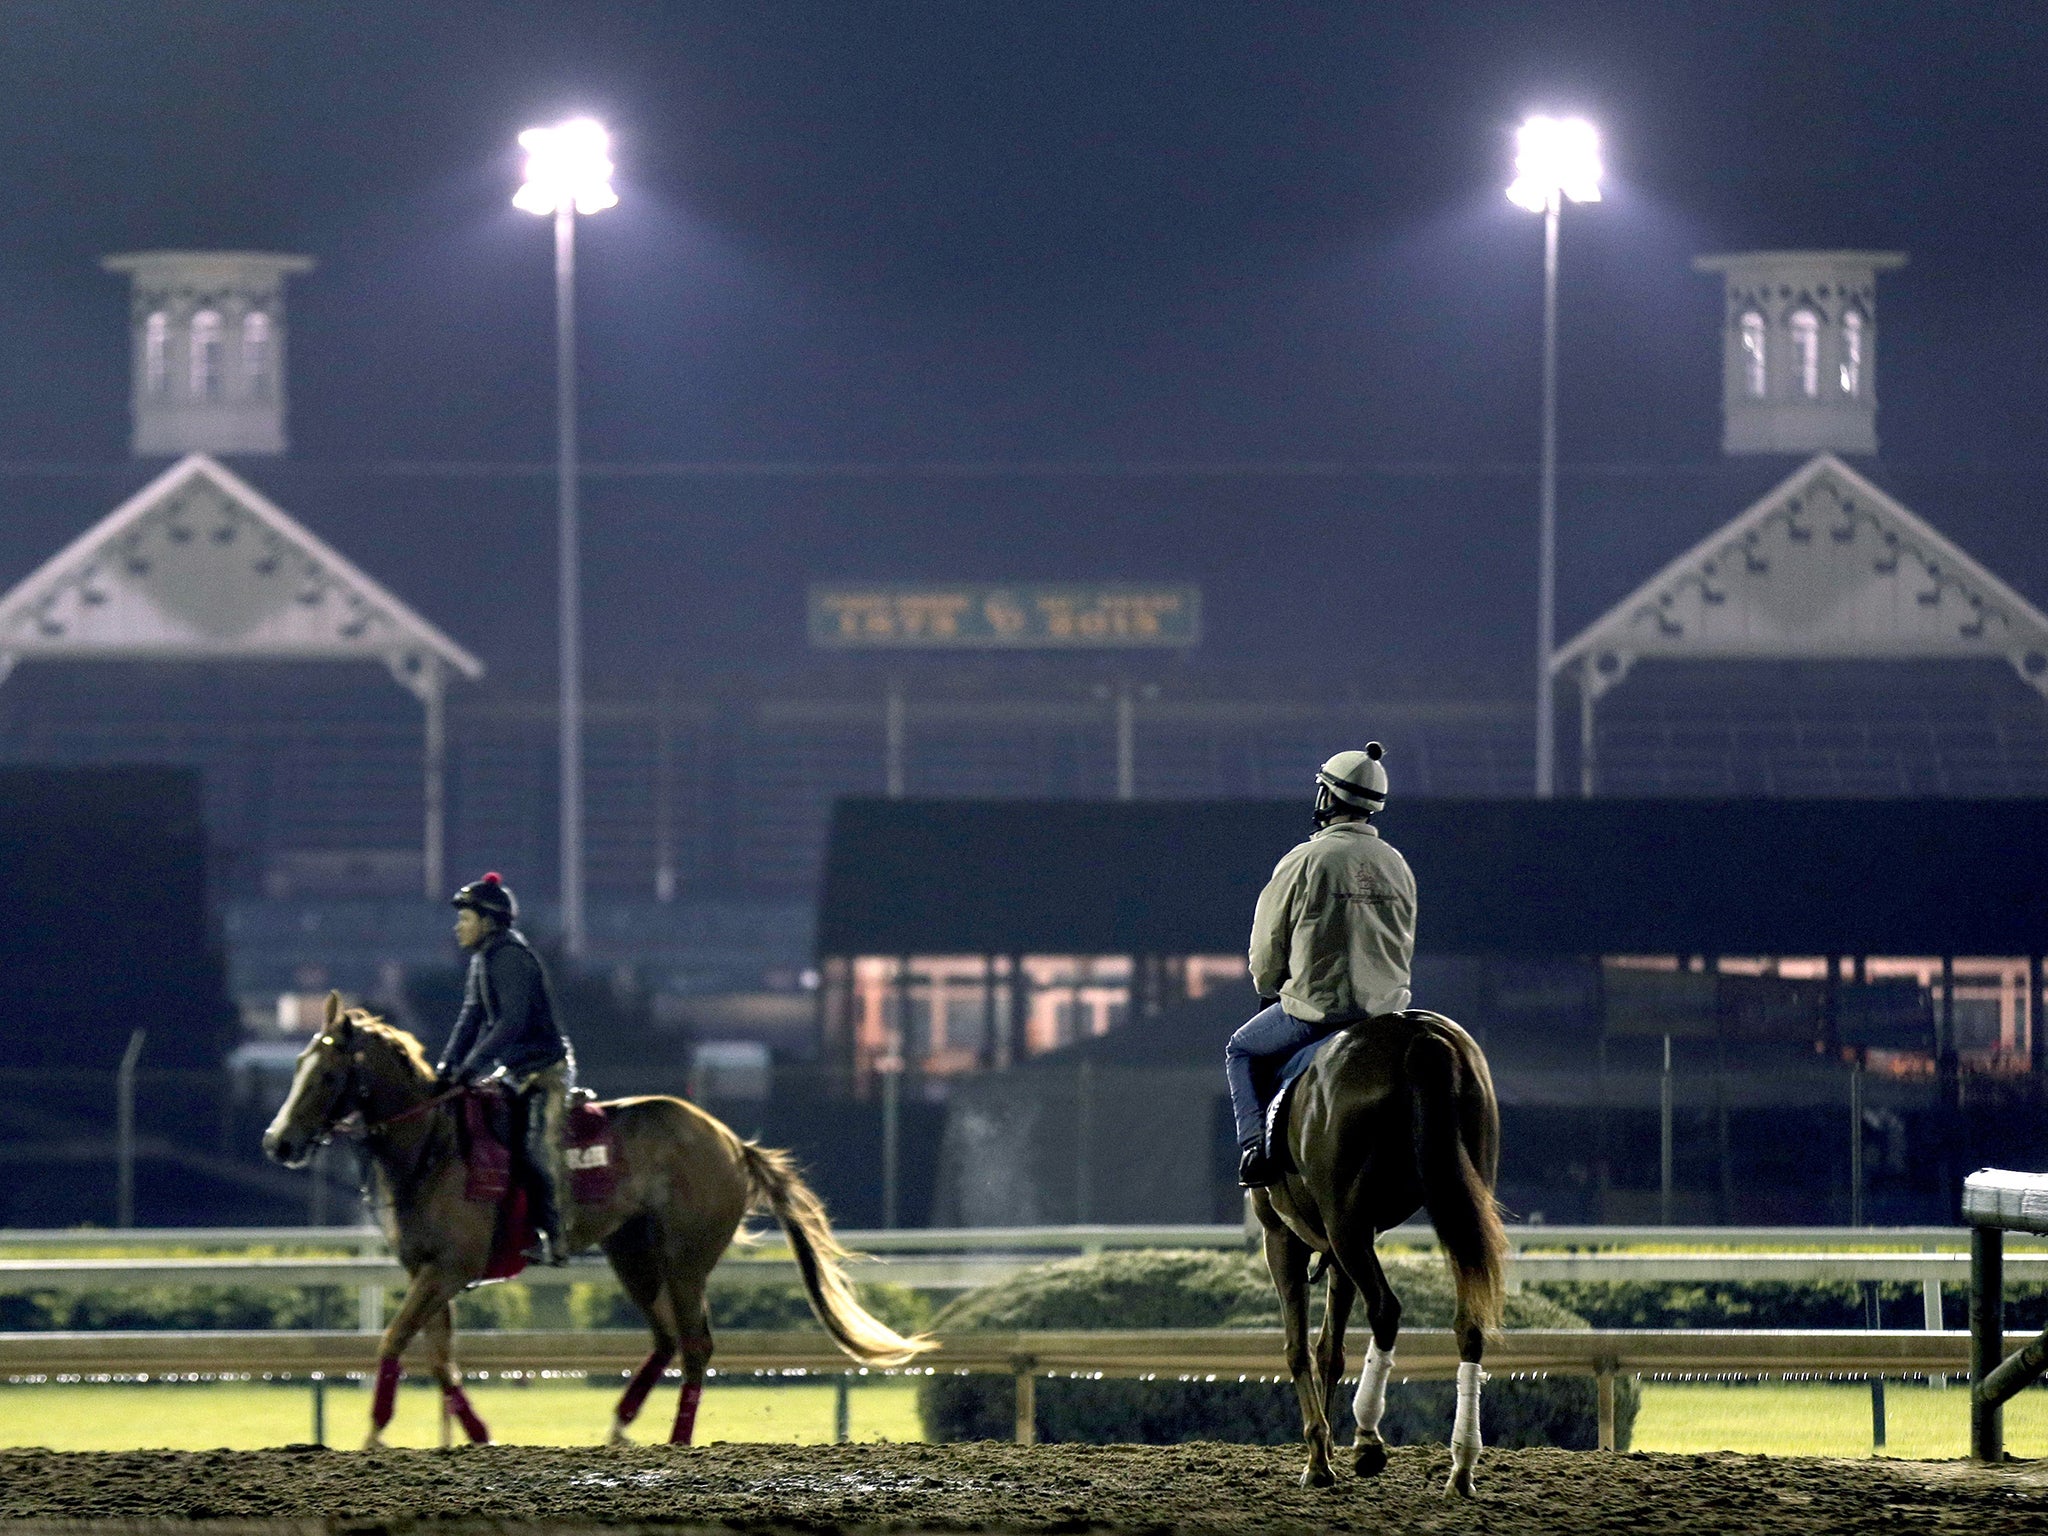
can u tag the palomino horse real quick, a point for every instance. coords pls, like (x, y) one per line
(687, 1183)
(1395, 1114)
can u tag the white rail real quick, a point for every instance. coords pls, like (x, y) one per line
(1068, 1239)
(964, 1272)
(1215, 1354)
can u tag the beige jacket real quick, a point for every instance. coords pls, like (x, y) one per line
(1334, 933)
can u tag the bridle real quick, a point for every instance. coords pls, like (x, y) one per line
(335, 1117)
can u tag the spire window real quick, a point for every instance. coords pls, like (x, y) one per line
(257, 368)
(156, 353)
(1852, 354)
(206, 355)
(1806, 351)
(1753, 375)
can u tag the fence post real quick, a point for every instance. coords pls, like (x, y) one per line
(1664, 1147)
(1604, 1379)
(1930, 1318)
(1987, 1339)
(124, 1131)
(370, 1309)
(842, 1410)
(1027, 1400)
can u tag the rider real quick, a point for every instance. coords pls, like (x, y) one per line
(1332, 939)
(507, 1028)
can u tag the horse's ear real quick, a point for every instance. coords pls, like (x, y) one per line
(334, 1011)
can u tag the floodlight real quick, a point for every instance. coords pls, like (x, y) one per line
(567, 166)
(1555, 156)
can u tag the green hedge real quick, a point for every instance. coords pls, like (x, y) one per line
(781, 1306)
(1176, 1289)
(1831, 1304)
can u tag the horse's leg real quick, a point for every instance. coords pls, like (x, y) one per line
(1330, 1340)
(1287, 1259)
(439, 1333)
(1465, 1427)
(1360, 1260)
(428, 1292)
(686, 1297)
(633, 1259)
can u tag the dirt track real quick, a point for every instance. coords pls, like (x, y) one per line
(999, 1488)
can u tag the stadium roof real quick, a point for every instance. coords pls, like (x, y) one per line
(199, 565)
(1530, 877)
(1825, 566)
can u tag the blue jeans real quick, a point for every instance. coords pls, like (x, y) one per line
(1272, 1033)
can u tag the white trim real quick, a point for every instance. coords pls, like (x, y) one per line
(411, 635)
(1619, 633)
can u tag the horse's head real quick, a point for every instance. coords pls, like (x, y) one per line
(326, 1088)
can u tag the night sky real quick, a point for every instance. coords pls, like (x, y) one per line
(1237, 281)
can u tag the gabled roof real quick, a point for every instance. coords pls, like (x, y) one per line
(1825, 566)
(199, 565)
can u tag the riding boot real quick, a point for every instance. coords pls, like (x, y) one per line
(546, 1183)
(1255, 1169)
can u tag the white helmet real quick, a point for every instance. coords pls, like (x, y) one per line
(1351, 783)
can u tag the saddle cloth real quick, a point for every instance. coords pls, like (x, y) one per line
(590, 1151)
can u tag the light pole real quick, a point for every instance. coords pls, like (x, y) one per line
(568, 171)
(1555, 159)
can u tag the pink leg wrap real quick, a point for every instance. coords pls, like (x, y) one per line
(458, 1406)
(686, 1413)
(643, 1383)
(386, 1395)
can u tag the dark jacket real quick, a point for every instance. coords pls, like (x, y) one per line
(508, 1014)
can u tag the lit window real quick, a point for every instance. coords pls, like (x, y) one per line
(156, 353)
(256, 369)
(206, 355)
(1753, 354)
(1806, 351)
(1852, 353)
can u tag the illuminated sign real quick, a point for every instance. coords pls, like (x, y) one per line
(967, 615)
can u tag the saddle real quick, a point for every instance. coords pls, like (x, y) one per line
(1285, 1072)
(1276, 1077)
(590, 1152)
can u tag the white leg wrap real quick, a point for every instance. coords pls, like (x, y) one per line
(1465, 1430)
(1369, 1402)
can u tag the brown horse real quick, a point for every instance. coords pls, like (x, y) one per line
(1396, 1114)
(686, 1184)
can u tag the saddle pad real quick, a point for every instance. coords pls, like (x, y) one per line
(591, 1153)
(487, 1160)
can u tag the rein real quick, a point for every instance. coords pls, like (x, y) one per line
(421, 1108)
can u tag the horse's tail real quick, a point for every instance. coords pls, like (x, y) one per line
(821, 1259)
(1456, 1191)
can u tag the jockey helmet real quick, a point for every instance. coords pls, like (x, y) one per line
(1351, 784)
(490, 896)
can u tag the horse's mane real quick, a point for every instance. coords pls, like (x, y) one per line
(402, 1041)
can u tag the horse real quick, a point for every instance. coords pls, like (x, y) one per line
(686, 1184)
(1395, 1114)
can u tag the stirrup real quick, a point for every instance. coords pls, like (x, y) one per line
(546, 1250)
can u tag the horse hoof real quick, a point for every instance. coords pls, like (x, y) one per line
(618, 1436)
(1317, 1476)
(1369, 1460)
(1460, 1483)
(374, 1441)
